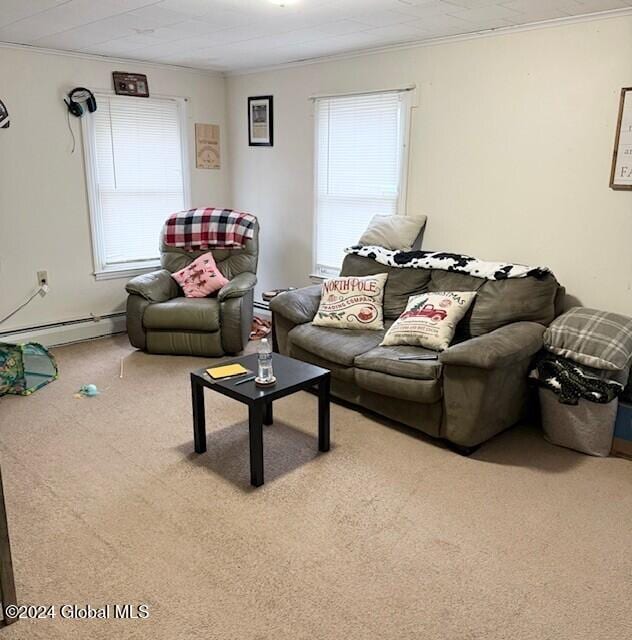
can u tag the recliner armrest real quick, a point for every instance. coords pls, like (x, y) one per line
(241, 284)
(157, 286)
(499, 348)
(298, 306)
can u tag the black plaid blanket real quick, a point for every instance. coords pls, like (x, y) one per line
(209, 228)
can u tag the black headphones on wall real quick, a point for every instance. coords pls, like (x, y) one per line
(76, 97)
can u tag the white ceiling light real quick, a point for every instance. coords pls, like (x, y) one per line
(283, 3)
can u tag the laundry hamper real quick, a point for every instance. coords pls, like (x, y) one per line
(24, 368)
(587, 426)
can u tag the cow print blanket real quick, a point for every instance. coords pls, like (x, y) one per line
(447, 262)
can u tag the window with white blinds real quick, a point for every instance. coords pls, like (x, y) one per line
(135, 162)
(361, 158)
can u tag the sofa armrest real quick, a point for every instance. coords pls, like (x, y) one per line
(241, 284)
(299, 306)
(157, 286)
(499, 348)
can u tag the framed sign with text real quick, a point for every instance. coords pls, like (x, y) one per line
(207, 146)
(260, 121)
(130, 84)
(621, 172)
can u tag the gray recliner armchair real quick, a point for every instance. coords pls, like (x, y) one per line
(161, 320)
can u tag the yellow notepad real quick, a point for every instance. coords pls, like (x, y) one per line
(226, 371)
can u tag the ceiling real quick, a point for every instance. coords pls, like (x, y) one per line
(232, 35)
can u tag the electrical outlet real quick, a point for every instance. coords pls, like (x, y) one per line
(42, 278)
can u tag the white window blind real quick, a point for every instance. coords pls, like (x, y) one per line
(135, 165)
(361, 155)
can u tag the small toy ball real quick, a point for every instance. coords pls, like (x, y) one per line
(89, 390)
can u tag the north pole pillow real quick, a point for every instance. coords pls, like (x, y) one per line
(352, 303)
(430, 319)
(200, 278)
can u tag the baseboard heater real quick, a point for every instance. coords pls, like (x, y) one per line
(56, 333)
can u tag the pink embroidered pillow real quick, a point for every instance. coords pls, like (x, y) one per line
(200, 278)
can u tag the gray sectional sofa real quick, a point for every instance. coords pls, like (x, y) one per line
(476, 388)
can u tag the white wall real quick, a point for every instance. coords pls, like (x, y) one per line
(44, 219)
(510, 153)
(510, 157)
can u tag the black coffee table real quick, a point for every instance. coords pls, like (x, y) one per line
(292, 375)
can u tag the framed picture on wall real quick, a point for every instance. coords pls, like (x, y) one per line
(130, 84)
(621, 172)
(260, 121)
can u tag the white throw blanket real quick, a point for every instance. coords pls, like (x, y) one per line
(448, 262)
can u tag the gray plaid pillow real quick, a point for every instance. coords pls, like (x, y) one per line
(593, 338)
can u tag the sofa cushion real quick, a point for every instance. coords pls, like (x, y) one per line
(423, 391)
(188, 314)
(336, 345)
(452, 281)
(501, 302)
(338, 371)
(400, 285)
(386, 360)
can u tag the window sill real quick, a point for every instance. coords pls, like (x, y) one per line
(320, 277)
(129, 272)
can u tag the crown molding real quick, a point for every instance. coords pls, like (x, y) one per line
(427, 42)
(433, 42)
(98, 58)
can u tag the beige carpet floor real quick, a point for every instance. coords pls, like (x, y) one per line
(387, 536)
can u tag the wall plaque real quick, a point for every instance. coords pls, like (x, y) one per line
(621, 172)
(130, 84)
(207, 146)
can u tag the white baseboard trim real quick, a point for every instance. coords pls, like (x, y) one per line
(67, 332)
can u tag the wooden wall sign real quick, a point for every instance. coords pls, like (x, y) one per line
(207, 146)
(130, 84)
(621, 172)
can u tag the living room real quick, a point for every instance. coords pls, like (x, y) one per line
(340, 171)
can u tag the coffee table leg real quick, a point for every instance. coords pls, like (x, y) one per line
(323, 414)
(255, 415)
(199, 418)
(267, 414)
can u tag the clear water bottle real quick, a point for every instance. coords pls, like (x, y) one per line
(265, 361)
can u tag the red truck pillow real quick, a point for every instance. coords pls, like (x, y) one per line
(430, 319)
